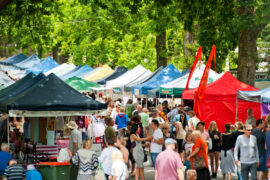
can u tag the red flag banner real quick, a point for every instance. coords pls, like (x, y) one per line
(201, 89)
(198, 56)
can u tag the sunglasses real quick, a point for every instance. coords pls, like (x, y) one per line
(164, 128)
(249, 129)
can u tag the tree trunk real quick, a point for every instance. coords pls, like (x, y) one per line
(161, 50)
(247, 54)
(187, 42)
(55, 54)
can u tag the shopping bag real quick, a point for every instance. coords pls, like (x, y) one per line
(238, 170)
(99, 175)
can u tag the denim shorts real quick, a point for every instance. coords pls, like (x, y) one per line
(262, 166)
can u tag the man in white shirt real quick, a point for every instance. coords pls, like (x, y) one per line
(148, 129)
(157, 142)
(75, 138)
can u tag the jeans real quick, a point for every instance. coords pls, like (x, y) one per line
(153, 158)
(249, 168)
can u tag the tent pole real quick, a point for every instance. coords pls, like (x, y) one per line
(158, 99)
(172, 102)
(8, 132)
(236, 109)
(261, 106)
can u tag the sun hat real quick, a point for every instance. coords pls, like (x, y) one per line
(72, 125)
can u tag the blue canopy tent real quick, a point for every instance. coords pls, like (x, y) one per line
(128, 87)
(166, 75)
(78, 72)
(14, 59)
(45, 65)
(28, 63)
(261, 96)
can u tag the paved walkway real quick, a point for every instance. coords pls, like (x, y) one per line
(149, 173)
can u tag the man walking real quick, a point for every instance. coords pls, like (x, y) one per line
(260, 137)
(169, 163)
(250, 120)
(157, 142)
(75, 139)
(249, 154)
(5, 156)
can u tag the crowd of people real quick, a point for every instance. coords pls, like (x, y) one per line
(174, 141)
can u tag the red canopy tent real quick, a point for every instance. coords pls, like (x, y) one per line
(219, 101)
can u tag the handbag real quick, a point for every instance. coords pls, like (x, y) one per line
(99, 175)
(210, 144)
(198, 162)
(145, 157)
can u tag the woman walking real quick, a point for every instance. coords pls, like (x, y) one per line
(119, 168)
(227, 160)
(138, 152)
(215, 151)
(166, 130)
(199, 157)
(87, 161)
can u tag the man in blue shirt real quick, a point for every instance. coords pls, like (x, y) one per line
(5, 156)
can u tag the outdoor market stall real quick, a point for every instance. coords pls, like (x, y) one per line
(44, 66)
(61, 70)
(166, 75)
(104, 71)
(260, 96)
(28, 63)
(81, 84)
(177, 86)
(128, 87)
(118, 72)
(48, 97)
(77, 72)
(127, 77)
(219, 101)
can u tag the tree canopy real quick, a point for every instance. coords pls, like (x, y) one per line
(149, 32)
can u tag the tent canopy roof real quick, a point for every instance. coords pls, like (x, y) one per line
(44, 66)
(262, 95)
(127, 77)
(104, 71)
(14, 59)
(5, 80)
(166, 75)
(119, 71)
(28, 63)
(224, 88)
(77, 72)
(53, 94)
(81, 84)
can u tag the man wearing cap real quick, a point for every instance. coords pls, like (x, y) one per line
(75, 139)
(169, 163)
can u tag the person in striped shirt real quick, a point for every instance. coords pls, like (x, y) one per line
(14, 171)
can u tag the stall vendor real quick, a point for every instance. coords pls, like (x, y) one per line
(75, 138)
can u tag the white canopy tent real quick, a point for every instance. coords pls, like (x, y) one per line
(61, 70)
(127, 77)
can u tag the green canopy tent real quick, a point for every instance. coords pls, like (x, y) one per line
(81, 84)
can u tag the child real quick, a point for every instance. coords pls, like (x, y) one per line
(191, 174)
(187, 149)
